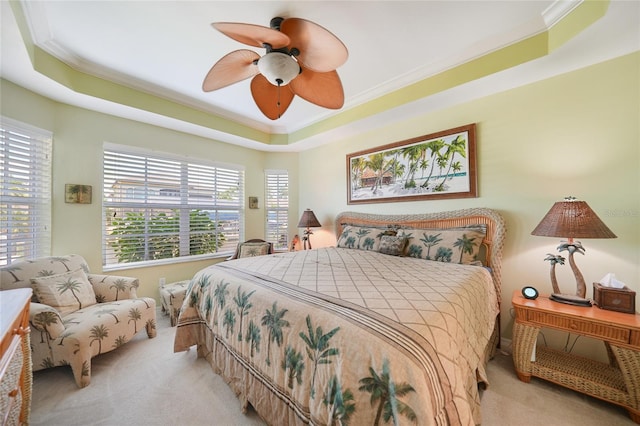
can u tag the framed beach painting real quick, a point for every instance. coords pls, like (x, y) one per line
(437, 166)
(77, 194)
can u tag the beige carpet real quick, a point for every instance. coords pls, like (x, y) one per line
(145, 383)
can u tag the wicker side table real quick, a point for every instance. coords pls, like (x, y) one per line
(617, 382)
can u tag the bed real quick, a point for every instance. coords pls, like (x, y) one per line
(386, 327)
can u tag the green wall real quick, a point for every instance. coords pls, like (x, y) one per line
(79, 135)
(575, 134)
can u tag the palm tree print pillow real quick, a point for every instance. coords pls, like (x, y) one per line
(362, 237)
(253, 249)
(66, 292)
(451, 245)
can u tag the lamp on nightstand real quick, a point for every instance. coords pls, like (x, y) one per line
(308, 220)
(571, 219)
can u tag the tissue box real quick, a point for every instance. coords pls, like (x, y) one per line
(615, 299)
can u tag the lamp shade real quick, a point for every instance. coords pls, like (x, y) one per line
(308, 220)
(572, 219)
(279, 68)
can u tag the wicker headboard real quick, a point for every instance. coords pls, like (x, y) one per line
(493, 241)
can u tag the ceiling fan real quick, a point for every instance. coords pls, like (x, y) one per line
(301, 59)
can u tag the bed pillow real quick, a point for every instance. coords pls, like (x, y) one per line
(362, 237)
(392, 244)
(453, 245)
(67, 292)
(253, 249)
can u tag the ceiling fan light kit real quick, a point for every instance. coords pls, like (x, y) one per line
(279, 68)
(297, 51)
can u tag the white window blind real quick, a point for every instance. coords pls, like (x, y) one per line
(159, 207)
(277, 208)
(25, 191)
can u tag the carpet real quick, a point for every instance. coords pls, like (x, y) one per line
(144, 383)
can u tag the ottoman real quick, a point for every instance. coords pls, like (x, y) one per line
(172, 295)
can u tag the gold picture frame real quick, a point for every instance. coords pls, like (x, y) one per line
(77, 194)
(441, 165)
(253, 202)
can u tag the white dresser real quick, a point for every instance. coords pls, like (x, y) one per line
(15, 357)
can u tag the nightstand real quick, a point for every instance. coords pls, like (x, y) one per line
(617, 382)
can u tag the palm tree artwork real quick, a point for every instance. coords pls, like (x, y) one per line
(443, 254)
(120, 340)
(431, 164)
(72, 286)
(430, 241)
(119, 285)
(274, 320)
(44, 320)
(385, 393)
(135, 316)
(243, 305)
(363, 232)
(253, 337)
(465, 245)
(220, 295)
(555, 260)
(229, 322)
(340, 403)
(293, 365)
(78, 193)
(98, 333)
(318, 349)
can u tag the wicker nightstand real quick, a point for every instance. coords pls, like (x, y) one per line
(617, 382)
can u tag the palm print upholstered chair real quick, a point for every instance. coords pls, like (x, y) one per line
(76, 315)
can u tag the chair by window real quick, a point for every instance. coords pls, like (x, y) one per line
(251, 248)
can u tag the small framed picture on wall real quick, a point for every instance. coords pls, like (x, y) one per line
(77, 194)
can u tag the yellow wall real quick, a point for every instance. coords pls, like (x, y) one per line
(576, 134)
(79, 135)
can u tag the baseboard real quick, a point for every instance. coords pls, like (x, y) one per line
(505, 345)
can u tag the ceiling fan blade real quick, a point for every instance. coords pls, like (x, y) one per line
(272, 100)
(320, 88)
(231, 68)
(253, 35)
(320, 50)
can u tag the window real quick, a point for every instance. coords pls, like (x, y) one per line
(277, 206)
(162, 207)
(25, 192)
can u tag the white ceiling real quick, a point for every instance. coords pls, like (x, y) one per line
(167, 47)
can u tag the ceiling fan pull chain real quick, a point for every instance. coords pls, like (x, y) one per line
(278, 99)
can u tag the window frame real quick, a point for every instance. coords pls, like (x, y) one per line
(281, 206)
(177, 196)
(33, 192)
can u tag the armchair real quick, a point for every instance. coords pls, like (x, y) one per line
(76, 315)
(253, 247)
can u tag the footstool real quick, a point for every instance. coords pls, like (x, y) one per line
(172, 295)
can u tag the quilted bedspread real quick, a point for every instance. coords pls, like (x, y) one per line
(343, 336)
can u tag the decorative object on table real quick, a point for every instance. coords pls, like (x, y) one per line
(571, 219)
(440, 165)
(294, 243)
(529, 292)
(77, 194)
(299, 54)
(308, 220)
(253, 202)
(613, 295)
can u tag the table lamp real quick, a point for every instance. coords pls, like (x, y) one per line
(308, 220)
(571, 219)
